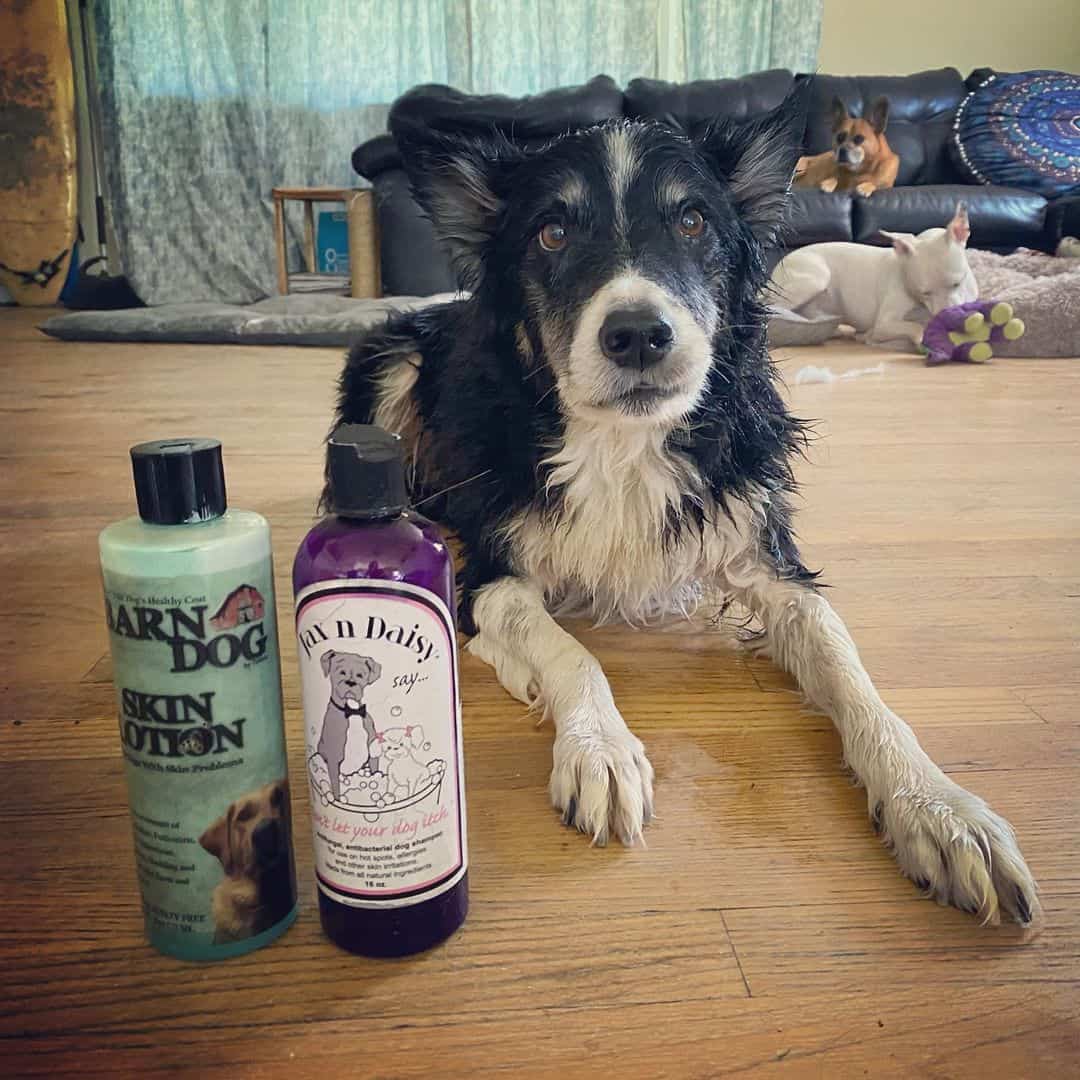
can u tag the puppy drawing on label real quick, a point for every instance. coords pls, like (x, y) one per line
(252, 840)
(347, 728)
(406, 773)
(888, 294)
(860, 159)
(599, 422)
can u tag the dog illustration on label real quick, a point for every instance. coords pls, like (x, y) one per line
(405, 772)
(347, 729)
(357, 767)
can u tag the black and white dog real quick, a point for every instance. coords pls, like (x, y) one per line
(601, 426)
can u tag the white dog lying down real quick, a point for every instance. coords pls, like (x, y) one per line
(886, 293)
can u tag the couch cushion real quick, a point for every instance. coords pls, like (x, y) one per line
(412, 261)
(539, 116)
(375, 156)
(1022, 130)
(921, 112)
(689, 105)
(529, 120)
(817, 217)
(1063, 219)
(1000, 216)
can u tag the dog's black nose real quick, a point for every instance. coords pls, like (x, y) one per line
(636, 337)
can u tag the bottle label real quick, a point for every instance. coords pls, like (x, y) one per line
(197, 674)
(382, 718)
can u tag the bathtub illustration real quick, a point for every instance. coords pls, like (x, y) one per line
(369, 793)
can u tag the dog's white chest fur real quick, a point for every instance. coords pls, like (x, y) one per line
(609, 548)
(356, 746)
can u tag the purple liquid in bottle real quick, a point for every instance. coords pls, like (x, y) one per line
(374, 586)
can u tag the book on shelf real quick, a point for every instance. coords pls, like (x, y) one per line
(309, 283)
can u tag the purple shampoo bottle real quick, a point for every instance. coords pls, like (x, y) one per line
(374, 586)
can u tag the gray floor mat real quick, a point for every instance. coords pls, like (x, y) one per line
(297, 319)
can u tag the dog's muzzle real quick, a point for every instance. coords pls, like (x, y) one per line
(636, 337)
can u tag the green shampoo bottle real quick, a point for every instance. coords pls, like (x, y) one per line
(189, 604)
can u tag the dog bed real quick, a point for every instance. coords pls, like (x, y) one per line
(788, 328)
(1043, 290)
(297, 319)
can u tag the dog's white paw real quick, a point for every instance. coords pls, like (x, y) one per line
(602, 782)
(828, 184)
(515, 676)
(957, 850)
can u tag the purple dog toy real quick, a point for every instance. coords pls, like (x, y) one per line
(967, 332)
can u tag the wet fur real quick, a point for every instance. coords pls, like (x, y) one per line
(568, 494)
(470, 387)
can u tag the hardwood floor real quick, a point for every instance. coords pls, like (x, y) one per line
(763, 930)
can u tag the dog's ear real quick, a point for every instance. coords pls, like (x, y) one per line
(217, 840)
(374, 669)
(279, 799)
(959, 228)
(838, 113)
(877, 116)
(903, 243)
(757, 159)
(326, 660)
(460, 183)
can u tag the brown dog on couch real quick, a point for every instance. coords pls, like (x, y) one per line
(253, 841)
(860, 160)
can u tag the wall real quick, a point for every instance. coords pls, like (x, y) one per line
(896, 37)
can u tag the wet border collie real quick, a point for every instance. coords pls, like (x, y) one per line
(600, 425)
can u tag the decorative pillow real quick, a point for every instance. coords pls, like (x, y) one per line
(1022, 130)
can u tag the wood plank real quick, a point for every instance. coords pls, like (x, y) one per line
(720, 840)
(944, 506)
(991, 1030)
(884, 946)
(1054, 704)
(489, 961)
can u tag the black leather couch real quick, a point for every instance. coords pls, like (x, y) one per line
(920, 125)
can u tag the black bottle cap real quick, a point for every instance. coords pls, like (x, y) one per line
(367, 475)
(179, 481)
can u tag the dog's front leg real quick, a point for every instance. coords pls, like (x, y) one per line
(601, 779)
(947, 840)
(889, 331)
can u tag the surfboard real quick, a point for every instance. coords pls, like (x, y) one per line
(37, 150)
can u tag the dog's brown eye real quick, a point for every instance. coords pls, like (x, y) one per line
(691, 223)
(245, 814)
(553, 236)
(858, 139)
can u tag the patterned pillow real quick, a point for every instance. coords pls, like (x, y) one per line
(1022, 130)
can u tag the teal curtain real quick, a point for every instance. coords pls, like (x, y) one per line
(208, 104)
